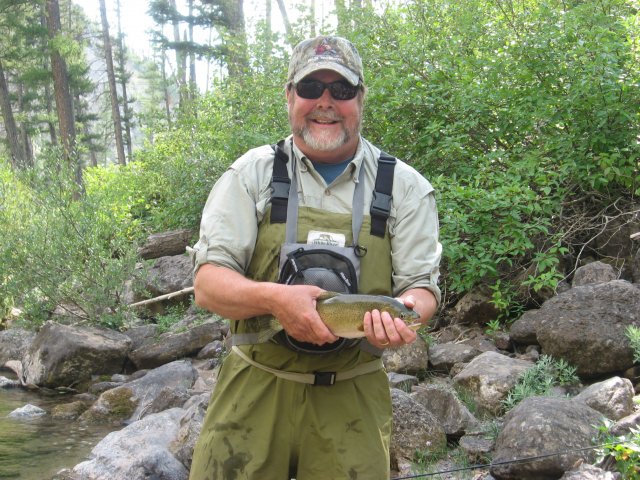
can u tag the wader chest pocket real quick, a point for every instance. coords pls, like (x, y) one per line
(335, 269)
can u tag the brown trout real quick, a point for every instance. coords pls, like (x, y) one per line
(344, 313)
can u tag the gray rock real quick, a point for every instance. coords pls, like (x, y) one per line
(402, 381)
(414, 429)
(539, 426)
(14, 342)
(590, 472)
(489, 377)
(475, 307)
(411, 359)
(62, 355)
(139, 451)
(444, 356)
(586, 327)
(28, 411)
(613, 397)
(443, 403)
(593, 273)
(172, 346)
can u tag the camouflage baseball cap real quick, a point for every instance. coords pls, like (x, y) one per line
(326, 53)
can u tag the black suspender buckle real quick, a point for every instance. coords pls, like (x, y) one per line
(381, 205)
(324, 378)
(280, 187)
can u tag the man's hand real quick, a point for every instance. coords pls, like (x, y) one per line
(383, 331)
(295, 309)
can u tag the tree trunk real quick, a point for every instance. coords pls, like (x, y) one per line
(47, 88)
(122, 68)
(165, 87)
(237, 61)
(62, 93)
(312, 8)
(23, 129)
(285, 20)
(15, 149)
(115, 107)
(181, 58)
(193, 86)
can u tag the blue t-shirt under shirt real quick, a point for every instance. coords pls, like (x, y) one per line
(331, 171)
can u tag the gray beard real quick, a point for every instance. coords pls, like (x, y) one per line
(322, 142)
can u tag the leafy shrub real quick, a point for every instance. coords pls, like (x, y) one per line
(633, 334)
(59, 252)
(540, 379)
(624, 450)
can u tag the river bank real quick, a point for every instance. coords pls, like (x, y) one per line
(37, 448)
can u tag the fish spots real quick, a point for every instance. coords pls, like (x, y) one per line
(353, 475)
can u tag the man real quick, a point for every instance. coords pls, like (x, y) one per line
(306, 405)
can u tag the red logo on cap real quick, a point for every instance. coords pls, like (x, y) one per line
(324, 48)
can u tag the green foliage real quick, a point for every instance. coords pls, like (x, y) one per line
(58, 252)
(540, 379)
(624, 449)
(167, 320)
(633, 335)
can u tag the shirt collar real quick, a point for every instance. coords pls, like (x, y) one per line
(355, 166)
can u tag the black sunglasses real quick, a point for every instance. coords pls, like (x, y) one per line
(340, 90)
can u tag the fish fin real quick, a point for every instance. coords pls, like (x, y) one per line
(361, 328)
(414, 326)
(327, 295)
(270, 328)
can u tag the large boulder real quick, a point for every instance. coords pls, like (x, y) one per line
(159, 389)
(410, 359)
(613, 397)
(489, 377)
(539, 426)
(414, 429)
(139, 451)
(172, 346)
(586, 327)
(14, 342)
(62, 355)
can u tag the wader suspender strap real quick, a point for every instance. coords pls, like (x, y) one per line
(315, 378)
(280, 185)
(357, 214)
(381, 204)
(283, 190)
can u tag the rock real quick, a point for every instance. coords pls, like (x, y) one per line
(139, 451)
(475, 307)
(169, 274)
(613, 397)
(28, 411)
(190, 427)
(62, 355)
(593, 273)
(525, 329)
(69, 411)
(540, 426)
(162, 388)
(443, 403)
(402, 381)
(444, 356)
(414, 429)
(8, 383)
(171, 346)
(477, 447)
(624, 425)
(586, 327)
(164, 244)
(589, 472)
(211, 350)
(489, 377)
(14, 343)
(411, 359)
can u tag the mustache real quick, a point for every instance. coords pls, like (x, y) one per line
(324, 116)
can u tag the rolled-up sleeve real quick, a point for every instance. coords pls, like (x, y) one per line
(415, 246)
(228, 227)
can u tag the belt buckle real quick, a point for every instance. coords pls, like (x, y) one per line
(324, 378)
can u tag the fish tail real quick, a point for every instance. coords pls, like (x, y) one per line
(268, 328)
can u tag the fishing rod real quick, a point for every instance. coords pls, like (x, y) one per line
(504, 462)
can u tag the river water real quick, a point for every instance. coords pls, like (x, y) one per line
(38, 448)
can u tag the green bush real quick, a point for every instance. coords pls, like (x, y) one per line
(540, 379)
